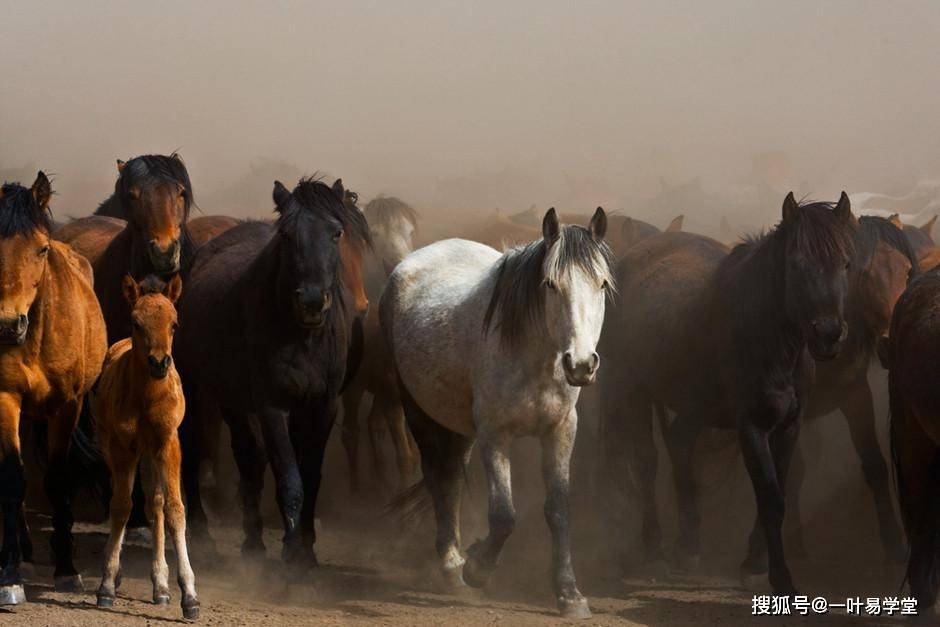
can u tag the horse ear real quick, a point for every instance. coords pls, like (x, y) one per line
(281, 196)
(895, 219)
(598, 225)
(676, 225)
(173, 288)
(628, 231)
(790, 208)
(844, 208)
(41, 190)
(928, 226)
(550, 227)
(120, 165)
(339, 190)
(131, 289)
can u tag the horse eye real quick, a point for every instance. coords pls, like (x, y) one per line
(175, 327)
(44, 250)
(550, 285)
(605, 286)
(337, 235)
(137, 326)
(848, 264)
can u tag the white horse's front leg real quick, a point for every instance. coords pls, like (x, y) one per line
(483, 556)
(556, 460)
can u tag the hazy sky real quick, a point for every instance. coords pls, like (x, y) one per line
(424, 98)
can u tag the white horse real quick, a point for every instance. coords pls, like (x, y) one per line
(491, 347)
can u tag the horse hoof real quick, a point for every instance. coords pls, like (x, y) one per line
(576, 608)
(453, 580)
(476, 574)
(190, 608)
(161, 599)
(69, 583)
(105, 601)
(138, 535)
(253, 548)
(12, 594)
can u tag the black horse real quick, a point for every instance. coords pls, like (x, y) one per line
(265, 332)
(725, 340)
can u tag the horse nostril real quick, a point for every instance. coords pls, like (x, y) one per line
(165, 362)
(594, 361)
(567, 362)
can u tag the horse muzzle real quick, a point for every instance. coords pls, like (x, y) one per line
(582, 372)
(311, 308)
(826, 338)
(159, 367)
(13, 330)
(165, 260)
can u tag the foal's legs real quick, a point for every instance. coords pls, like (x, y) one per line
(858, 408)
(443, 458)
(123, 465)
(167, 470)
(58, 485)
(557, 445)
(483, 555)
(249, 457)
(12, 490)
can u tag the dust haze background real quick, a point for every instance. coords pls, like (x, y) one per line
(472, 105)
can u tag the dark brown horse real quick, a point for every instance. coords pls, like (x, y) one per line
(725, 340)
(913, 355)
(52, 344)
(265, 335)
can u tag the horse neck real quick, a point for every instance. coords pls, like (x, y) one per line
(757, 306)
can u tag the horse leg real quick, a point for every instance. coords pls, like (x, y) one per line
(249, 457)
(167, 462)
(159, 570)
(767, 459)
(644, 461)
(310, 432)
(794, 510)
(443, 457)
(680, 438)
(289, 490)
(123, 465)
(557, 445)
(12, 491)
(859, 412)
(350, 434)
(377, 431)
(193, 447)
(483, 555)
(138, 519)
(26, 542)
(404, 452)
(58, 487)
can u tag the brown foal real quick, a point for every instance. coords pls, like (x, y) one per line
(138, 407)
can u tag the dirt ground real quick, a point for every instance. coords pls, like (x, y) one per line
(375, 570)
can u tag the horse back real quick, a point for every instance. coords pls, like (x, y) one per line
(89, 236)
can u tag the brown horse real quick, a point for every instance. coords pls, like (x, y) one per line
(912, 356)
(52, 344)
(138, 406)
(89, 236)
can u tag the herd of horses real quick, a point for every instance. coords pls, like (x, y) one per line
(267, 326)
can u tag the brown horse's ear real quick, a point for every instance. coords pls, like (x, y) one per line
(120, 165)
(928, 226)
(844, 208)
(173, 288)
(676, 225)
(550, 227)
(628, 231)
(281, 196)
(131, 289)
(790, 208)
(41, 190)
(895, 219)
(338, 189)
(598, 225)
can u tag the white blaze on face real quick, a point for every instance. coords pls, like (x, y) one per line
(584, 301)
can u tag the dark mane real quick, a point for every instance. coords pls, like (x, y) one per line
(518, 301)
(312, 194)
(384, 209)
(20, 213)
(147, 171)
(873, 229)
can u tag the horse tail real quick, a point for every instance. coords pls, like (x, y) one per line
(411, 504)
(87, 464)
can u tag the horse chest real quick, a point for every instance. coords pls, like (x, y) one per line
(24, 378)
(294, 373)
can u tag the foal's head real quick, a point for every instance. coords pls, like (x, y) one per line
(156, 196)
(25, 223)
(817, 243)
(154, 322)
(554, 290)
(393, 224)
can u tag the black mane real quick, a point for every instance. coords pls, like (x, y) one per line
(20, 213)
(518, 301)
(874, 229)
(312, 194)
